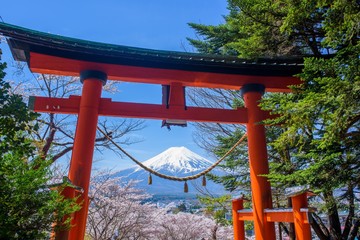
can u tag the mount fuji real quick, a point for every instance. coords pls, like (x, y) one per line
(175, 161)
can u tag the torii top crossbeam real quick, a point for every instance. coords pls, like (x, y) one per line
(46, 53)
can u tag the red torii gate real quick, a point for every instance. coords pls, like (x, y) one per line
(96, 62)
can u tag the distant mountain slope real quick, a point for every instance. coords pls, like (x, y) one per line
(175, 161)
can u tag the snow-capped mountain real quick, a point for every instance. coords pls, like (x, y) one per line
(175, 161)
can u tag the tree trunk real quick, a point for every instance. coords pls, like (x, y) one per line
(349, 219)
(319, 228)
(355, 230)
(279, 229)
(284, 228)
(333, 216)
(214, 230)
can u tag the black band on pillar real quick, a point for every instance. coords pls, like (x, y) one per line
(93, 74)
(252, 87)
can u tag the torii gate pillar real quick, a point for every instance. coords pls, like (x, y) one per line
(258, 161)
(84, 143)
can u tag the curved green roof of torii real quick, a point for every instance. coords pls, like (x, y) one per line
(54, 54)
(23, 40)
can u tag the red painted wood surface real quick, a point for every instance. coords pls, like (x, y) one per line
(47, 64)
(107, 107)
(238, 225)
(83, 151)
(258, 161)
(302, 227)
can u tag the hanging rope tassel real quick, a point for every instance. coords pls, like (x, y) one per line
(186, 188)
(150, 179)
(204, 181)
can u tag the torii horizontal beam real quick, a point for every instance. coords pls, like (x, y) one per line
(275, 215)
(107, 107)
(47, 64)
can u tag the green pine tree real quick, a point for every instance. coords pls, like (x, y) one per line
(317, 144)
(28, 207)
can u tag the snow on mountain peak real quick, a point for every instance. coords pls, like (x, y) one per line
(178, 160)
(175, 161)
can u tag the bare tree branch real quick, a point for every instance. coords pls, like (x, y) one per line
(56, 131)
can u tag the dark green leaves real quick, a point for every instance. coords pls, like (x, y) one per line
(27, 207)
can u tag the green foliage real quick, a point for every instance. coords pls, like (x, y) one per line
(318, 142)
(236, 164)
(180, 208)
(257, 28)
(215, 38)
(322, 123)
(217, 207)
(28, 207)
(14, 120)
(251, 30)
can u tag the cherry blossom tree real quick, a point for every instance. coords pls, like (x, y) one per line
(187, 226)
(119, 210)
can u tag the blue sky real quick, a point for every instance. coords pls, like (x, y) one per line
(156, 24)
